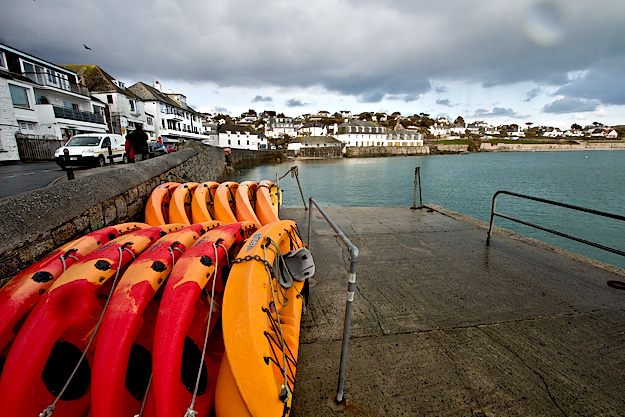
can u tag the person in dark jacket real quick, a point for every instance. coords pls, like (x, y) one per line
(139, 141)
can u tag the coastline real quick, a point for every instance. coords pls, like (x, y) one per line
(527, 147)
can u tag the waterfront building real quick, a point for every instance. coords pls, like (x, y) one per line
(42, 101)
(174, 120)
(316, 146)
(125, 109)
(401, 136)
(238, 137)
(354, 132)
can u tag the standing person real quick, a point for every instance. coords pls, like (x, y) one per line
(130, 152)
(139, 141)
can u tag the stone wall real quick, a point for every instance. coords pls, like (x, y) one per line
(375, 151)
(518, 147)
(243, 158)
(35, 222)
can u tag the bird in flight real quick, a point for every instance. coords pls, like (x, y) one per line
(86, 47)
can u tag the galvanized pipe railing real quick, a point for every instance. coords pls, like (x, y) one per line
(417, 180)
(351, 288)
(555, 203)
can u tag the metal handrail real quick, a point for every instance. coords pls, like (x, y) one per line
(555, 203)
(351, 287)
(417, 180)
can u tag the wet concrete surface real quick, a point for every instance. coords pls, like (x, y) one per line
(445, 325)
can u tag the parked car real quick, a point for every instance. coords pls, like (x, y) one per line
(156, 149)
(91, 149)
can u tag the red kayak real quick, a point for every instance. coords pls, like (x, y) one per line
(183, 320)
(50, 344)
(122, 365)
(24, 290)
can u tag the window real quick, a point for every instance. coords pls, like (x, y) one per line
(52, 77)
(19, 96)
(109, 98)
(3, 61)
(132, 105)
(150, 121)
(162, 107)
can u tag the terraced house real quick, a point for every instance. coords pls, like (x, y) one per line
(174, 120)
(41, 104)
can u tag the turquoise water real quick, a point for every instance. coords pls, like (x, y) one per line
(466, 184)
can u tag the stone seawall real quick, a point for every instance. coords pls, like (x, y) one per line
(35, 222)
(527, 147)
(242, 158)
(376, 151)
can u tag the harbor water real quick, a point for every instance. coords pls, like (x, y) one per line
(467, 183)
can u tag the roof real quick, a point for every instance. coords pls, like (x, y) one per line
(361, 123)
(235, 128)
(36, 59)
(147, 93)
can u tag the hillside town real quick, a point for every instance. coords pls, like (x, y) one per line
(47, 103)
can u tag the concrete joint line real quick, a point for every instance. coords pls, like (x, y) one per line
(538, 374)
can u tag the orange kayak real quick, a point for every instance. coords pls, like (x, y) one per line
(183, 322)
(257, 375)
(203, 202)
(225, 202)
(267, 202)
(157, 207)
(180, 204)
(245, 198)
(24, 290)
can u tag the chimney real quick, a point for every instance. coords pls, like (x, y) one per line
(157, 85)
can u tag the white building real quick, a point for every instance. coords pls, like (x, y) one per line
(316, 146)
(313, 129)
(238, 137)
(279, 126)
(174, 121)
(42, 100)
(126, 110)
(361, 133)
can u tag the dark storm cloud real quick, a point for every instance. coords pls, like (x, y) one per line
(261, 99)
(599, 84)
(571, 105)
(444, 102)
(387, 50)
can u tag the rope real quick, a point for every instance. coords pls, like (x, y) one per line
(190, 412)
(284, 394)
(145, 397)
(48, 411)
(66, 255)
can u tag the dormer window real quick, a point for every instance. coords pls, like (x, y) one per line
(3, 61)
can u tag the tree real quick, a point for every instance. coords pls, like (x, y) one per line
(575, 126)
(459, 121)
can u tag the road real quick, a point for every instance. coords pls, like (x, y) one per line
(15, 179)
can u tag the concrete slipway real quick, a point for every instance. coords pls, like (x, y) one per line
(444, 325)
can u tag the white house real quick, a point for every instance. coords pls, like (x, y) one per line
(362, 133)
(279, 126)
(42, 100)
(173, 119)
(312, 129)
(237, 137)
(404, 137)
(126, 109)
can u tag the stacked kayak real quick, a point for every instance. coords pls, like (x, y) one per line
(227, 202)
(195, 312)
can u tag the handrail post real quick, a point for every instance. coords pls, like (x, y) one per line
(351, 288)
(492, 218)
(417, 179)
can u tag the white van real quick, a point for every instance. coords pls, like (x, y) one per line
(92, 149)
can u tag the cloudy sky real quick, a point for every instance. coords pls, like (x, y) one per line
(553, 62)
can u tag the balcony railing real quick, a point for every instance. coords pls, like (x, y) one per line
(63, 113)
(56, 82)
